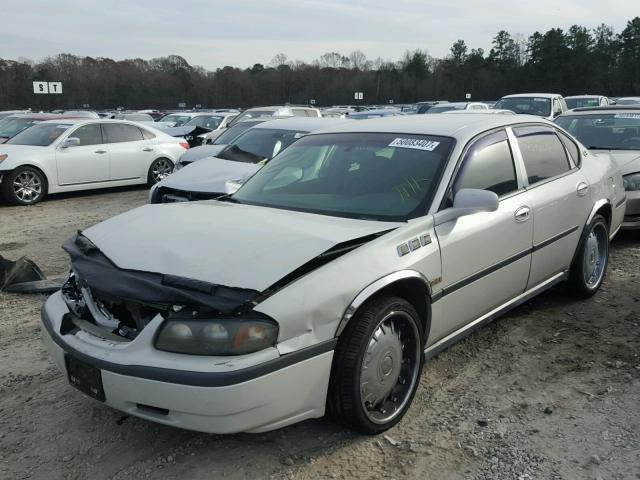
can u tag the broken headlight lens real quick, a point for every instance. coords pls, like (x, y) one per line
(631, 182)
(225, 336)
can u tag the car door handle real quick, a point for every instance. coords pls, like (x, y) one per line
(582, 189)
(100, 151)
(147, 149)
(522, 214)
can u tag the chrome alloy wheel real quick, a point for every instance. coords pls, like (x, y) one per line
(594, 258)
(390, 367)
(161, 169)
(27, 186)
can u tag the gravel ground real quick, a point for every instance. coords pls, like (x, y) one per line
(550, 391)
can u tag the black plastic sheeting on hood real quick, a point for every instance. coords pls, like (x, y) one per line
(94, 268)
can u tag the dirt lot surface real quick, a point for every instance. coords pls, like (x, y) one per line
(551, 391)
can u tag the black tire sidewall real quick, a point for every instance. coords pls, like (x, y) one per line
(7, 186)
(356, 337)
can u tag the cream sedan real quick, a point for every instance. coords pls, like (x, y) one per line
(79, 154)
(323, 283)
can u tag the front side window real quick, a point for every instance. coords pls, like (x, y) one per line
(604, 131)
(542, 153)
(120, 132)
(488, 165)
(88, 134)
(375, 176)
(259, 144)
(40, 135)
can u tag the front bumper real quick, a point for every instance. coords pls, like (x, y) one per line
(632, 213)
(252, 393)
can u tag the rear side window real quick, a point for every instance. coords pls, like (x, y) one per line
(542, 152)
(488, 165)
(572, 148)
(120, 132)
(89, 134)
(147, 134)
(299, 112)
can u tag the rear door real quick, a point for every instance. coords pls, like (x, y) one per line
(87, 162)
(485, 256)
(130, 153)
(559, 199)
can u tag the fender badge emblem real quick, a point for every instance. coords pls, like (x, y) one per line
(425, 239)
(414, 244)
(403, 249)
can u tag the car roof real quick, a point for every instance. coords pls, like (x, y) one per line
(543, 95)
(461, 127)
(307, 124)
(39, 116)
(607, 109)
(583, 96)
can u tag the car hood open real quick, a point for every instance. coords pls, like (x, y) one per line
(234, 245)
(209, 175)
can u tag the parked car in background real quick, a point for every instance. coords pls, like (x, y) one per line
(177, 119)
(545, 105)
(155, 114)
(614, 131)
(628, 101)
(491, 111)
(324, 282)
(449, 107)
(68, 155)
(6, 113)
(424, 107)
(81, 114)
(211, 177)
(580, 101)
(134, 117)
(14, 124)
(368, 114)
(215, 123)
(277, 111)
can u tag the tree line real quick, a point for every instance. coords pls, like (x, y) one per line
(576, 61)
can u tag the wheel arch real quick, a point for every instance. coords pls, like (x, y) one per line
(601, 207)
(35, 166)
(411, 285)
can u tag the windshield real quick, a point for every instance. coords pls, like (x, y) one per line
(613, 131)
(446, 108)
(269, 112)
(178, 120)
(205, 121)
(10, 126)
(40, 135)
(628, 101)
(582, 102)
(232, 132)
(527, 105)
(259, 144)
(379, 176)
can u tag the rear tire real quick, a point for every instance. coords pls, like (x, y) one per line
(24, 186)
(590, 264)
(159, 170)
(377, 366)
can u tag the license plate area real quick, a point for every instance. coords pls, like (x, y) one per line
(84, 377)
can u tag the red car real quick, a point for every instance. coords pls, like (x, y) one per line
(14, 124)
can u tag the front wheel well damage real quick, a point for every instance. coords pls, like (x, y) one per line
(414, 291)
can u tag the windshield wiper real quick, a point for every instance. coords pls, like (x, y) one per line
(610, 148)
(228, 198)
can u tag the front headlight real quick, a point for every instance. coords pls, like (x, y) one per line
(631, 182)
(3, 157)
(219, 336)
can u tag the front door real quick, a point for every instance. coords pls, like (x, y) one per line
(87, 162)
(485, 256)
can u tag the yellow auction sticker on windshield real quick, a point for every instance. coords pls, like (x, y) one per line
(415, 143)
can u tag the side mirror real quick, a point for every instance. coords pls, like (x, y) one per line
(467, 202)
(70, 142)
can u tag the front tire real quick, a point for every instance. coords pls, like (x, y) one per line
(590, 264)
(377, 366)
(24, 186)
(159, 170)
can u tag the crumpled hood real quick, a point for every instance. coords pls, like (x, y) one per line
(223, 243)
(628, 161)
(200, 152)
(209, 175)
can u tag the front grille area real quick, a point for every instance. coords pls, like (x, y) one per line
(171, 195)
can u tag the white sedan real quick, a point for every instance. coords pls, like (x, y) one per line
(79, 154)
(327, 278)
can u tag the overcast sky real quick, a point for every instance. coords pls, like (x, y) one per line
(214, 33)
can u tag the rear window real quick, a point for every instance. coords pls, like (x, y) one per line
(40, 135)
(604, 131)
